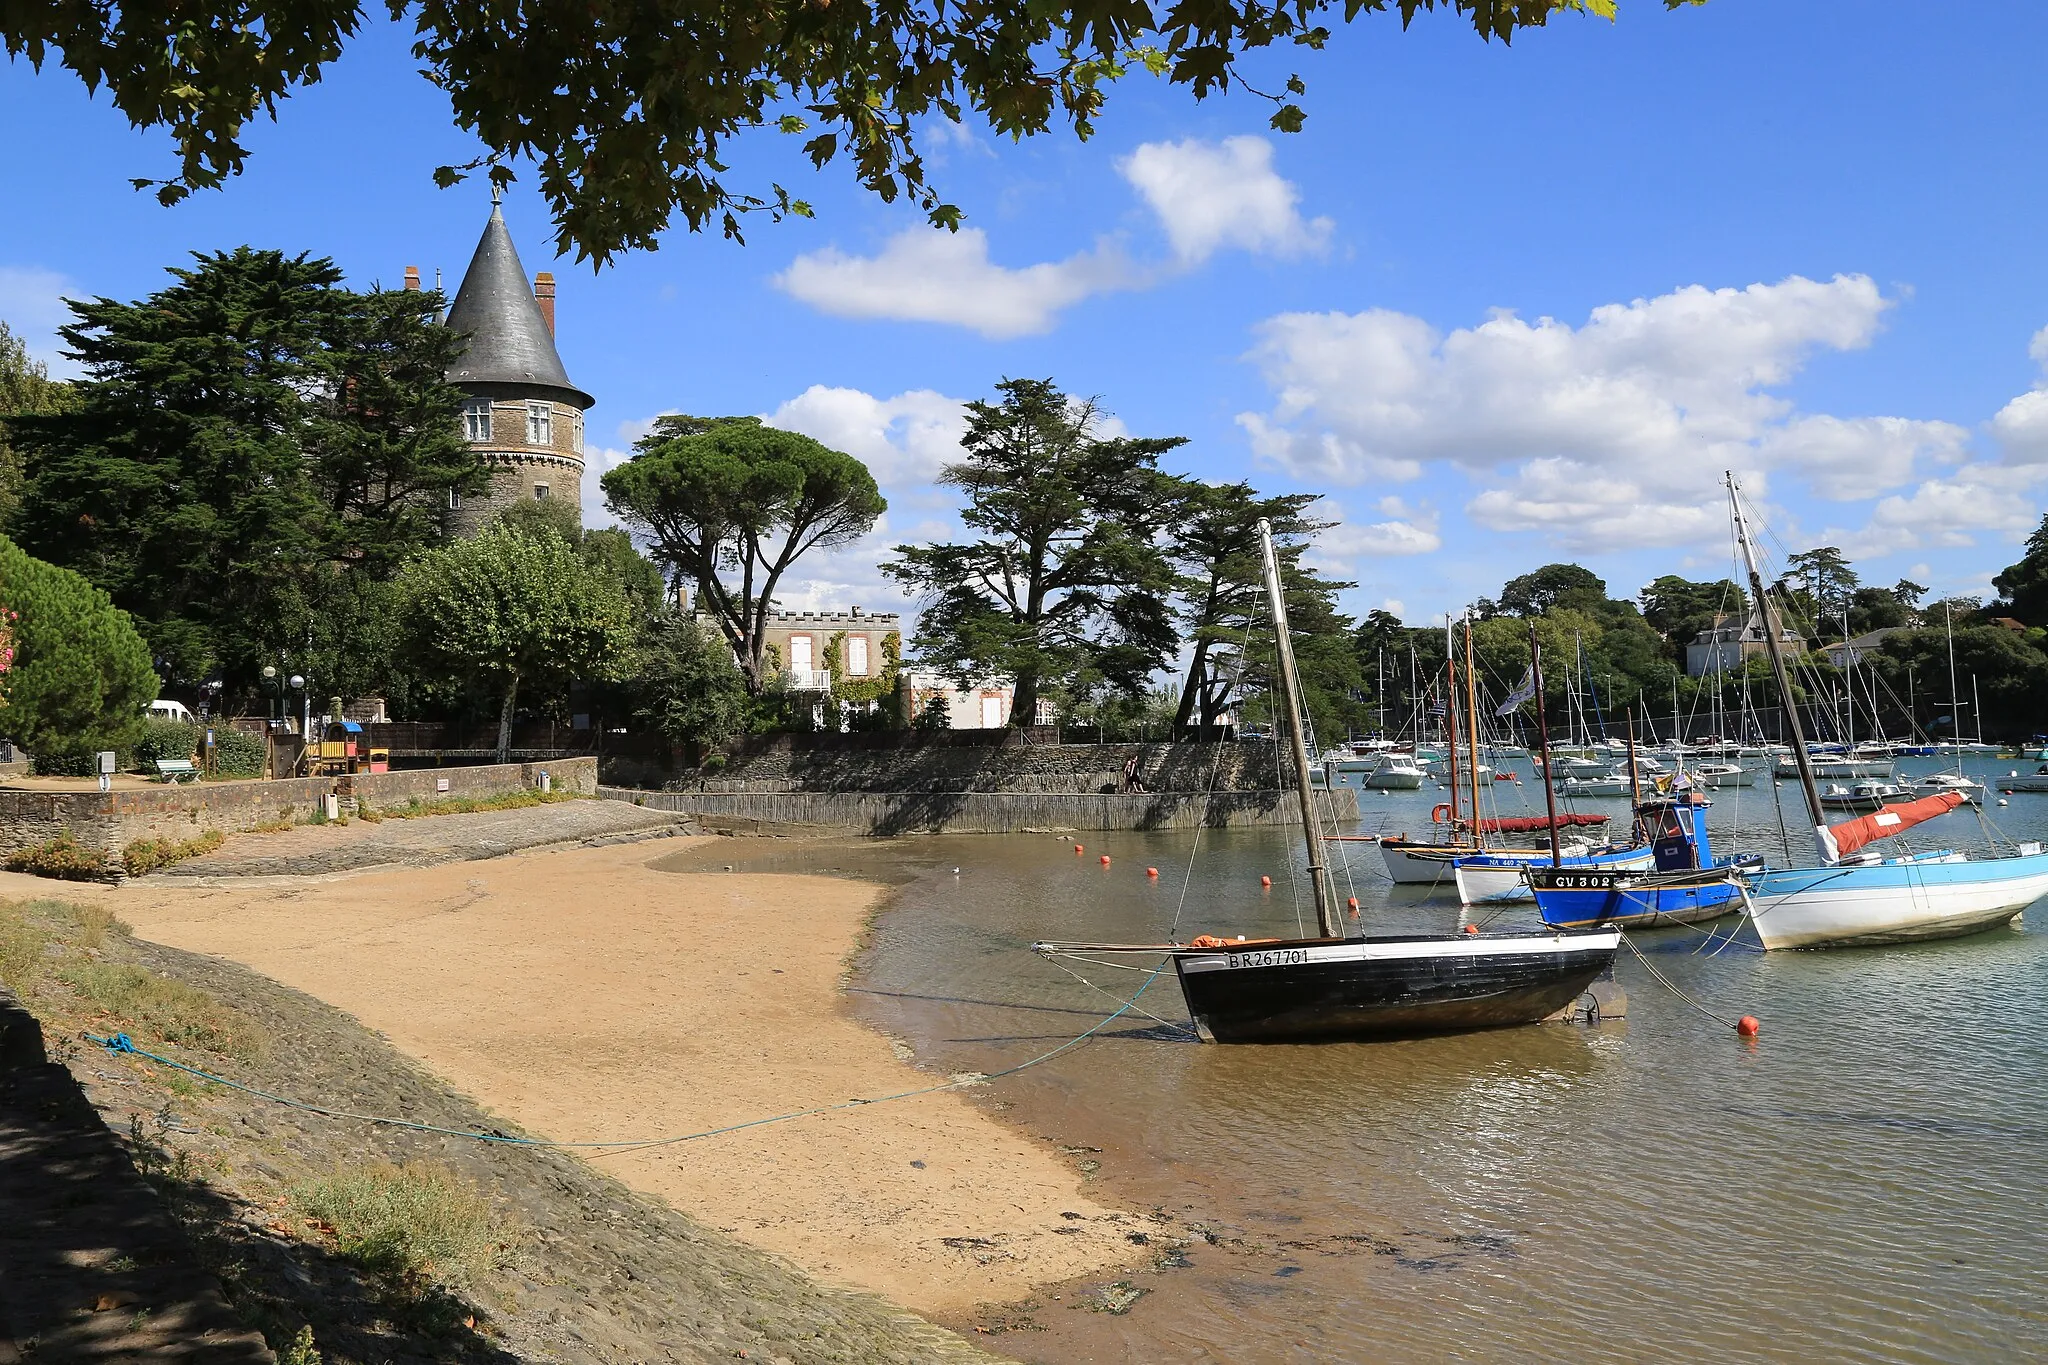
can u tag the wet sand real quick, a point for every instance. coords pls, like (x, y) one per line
(587, 996)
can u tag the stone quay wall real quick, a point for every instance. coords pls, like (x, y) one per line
(109, 821)
(1006, 763)
(965, 812)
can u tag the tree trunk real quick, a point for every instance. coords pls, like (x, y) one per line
(1024, 698)
(1192, 689)
(505, 720)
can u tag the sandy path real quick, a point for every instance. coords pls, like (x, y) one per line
(586, 996)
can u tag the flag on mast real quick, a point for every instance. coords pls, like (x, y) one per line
(1524, 691)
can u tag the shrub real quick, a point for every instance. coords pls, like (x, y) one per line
(62, 857)
(81, 676)
(168, 1010)
(147, 855)
(418, 1224)
(237, 753)
(166, 739)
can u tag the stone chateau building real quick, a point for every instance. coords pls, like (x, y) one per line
(522, 413)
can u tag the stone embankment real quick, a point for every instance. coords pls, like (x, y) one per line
(884, 785)
(92, 1265)
(314, 850)
(106, 822)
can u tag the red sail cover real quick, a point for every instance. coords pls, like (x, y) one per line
(1527, 824)
(1882, 823)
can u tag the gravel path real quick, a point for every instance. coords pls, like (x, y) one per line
(312, 850)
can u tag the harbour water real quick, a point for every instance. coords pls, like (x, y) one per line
(1864, 1182)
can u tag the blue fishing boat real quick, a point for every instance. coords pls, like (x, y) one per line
(1685, 886)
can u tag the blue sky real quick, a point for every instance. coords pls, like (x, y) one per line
(1502, 306)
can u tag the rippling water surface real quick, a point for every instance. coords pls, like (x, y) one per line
(1869, 1181)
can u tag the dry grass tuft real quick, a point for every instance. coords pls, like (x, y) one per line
(171, 1011)
(419, 1224)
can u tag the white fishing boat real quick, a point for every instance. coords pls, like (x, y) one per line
(1724, 775)
(1855, 896)
(1394, 773)
(1971, 791)
(1866, 794)
(1837, 768)
(2017, 781)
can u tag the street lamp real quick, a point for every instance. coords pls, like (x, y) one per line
(298, 681)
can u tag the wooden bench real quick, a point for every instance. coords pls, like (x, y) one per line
(171, 769)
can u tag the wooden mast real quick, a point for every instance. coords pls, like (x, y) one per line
(1543, 742)
(1472, 733)
(1768, 612)
(1326, 910)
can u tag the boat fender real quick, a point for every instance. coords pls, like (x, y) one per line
(1440, 813)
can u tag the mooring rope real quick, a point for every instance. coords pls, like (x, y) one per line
(1668, 984)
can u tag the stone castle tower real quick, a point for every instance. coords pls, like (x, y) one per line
(522, 414)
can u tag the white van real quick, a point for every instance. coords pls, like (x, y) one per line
(164, 709)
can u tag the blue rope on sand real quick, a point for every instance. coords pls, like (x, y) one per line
(121, 1043)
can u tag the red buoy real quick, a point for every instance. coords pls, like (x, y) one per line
(1265, 881)
(1105, 860)
(1353, 903)
(1077, 850)
(1748, 1026)
(1151, 871)
(1471, 928)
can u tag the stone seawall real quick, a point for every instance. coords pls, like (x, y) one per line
(952, 812)
(1005, 763)
(109, 821)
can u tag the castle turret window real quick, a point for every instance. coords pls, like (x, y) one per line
(476, 420)
(540, 425)
(540, 492)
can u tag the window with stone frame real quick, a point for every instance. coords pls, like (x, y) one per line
(476, 420)
(576, 431)
(540, 492)
(540, 425)
(856, 656)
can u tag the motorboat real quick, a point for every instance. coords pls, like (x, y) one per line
(1394, 772)
(2017, 781)
(1971, 791)
(1867, 794)
(1723, 775)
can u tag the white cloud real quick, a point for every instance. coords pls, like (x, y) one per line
(929, 275)
(2021, 426)
(1406, 530)
(903, 440)
(1608, 435)
(1206, 195)
(32, 306)
(1947, 512)
(1211, 195)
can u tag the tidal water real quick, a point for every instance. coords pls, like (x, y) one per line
(1867, 1181)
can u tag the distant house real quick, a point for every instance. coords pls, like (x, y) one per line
(809, 643)
(1723, 646)
(1846, 652)
(984, 705)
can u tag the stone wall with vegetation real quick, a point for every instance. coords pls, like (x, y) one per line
(796, 763)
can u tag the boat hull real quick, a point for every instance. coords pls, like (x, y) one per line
(1569, 898)
(1485, 879)
(1896, 902)
(1411, 864)
(1324, 990)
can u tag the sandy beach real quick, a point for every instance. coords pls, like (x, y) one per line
(587, 997)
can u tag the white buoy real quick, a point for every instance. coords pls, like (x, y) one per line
(2003, 802)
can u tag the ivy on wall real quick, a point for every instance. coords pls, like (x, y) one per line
(875, 688)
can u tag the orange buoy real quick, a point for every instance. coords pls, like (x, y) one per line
(1105, 860)
(1078, 850)
(1265, 881)
(1471, 928)
(1748, 1026)
(1151, 871)
(1353, 903)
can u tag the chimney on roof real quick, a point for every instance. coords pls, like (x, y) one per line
(544, 295)
(412, 278)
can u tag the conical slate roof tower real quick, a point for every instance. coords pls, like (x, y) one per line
(524, 416)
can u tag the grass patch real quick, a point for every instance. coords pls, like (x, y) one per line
(469, 805)
(147, 855)
(24, 955)
(169, 1011)
(62, 857)
(282, 823)
(419, 1225)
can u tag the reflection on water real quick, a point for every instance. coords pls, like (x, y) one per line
(1864, 1183)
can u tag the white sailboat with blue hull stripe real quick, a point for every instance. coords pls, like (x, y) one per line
(1857, 897)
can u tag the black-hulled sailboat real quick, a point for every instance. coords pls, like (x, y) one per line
(1334, 987)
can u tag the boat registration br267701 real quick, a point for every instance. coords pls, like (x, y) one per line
(1271, 957)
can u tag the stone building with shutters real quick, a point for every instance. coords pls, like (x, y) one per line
(521, 413)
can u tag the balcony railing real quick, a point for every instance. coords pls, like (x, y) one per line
(807, 679)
